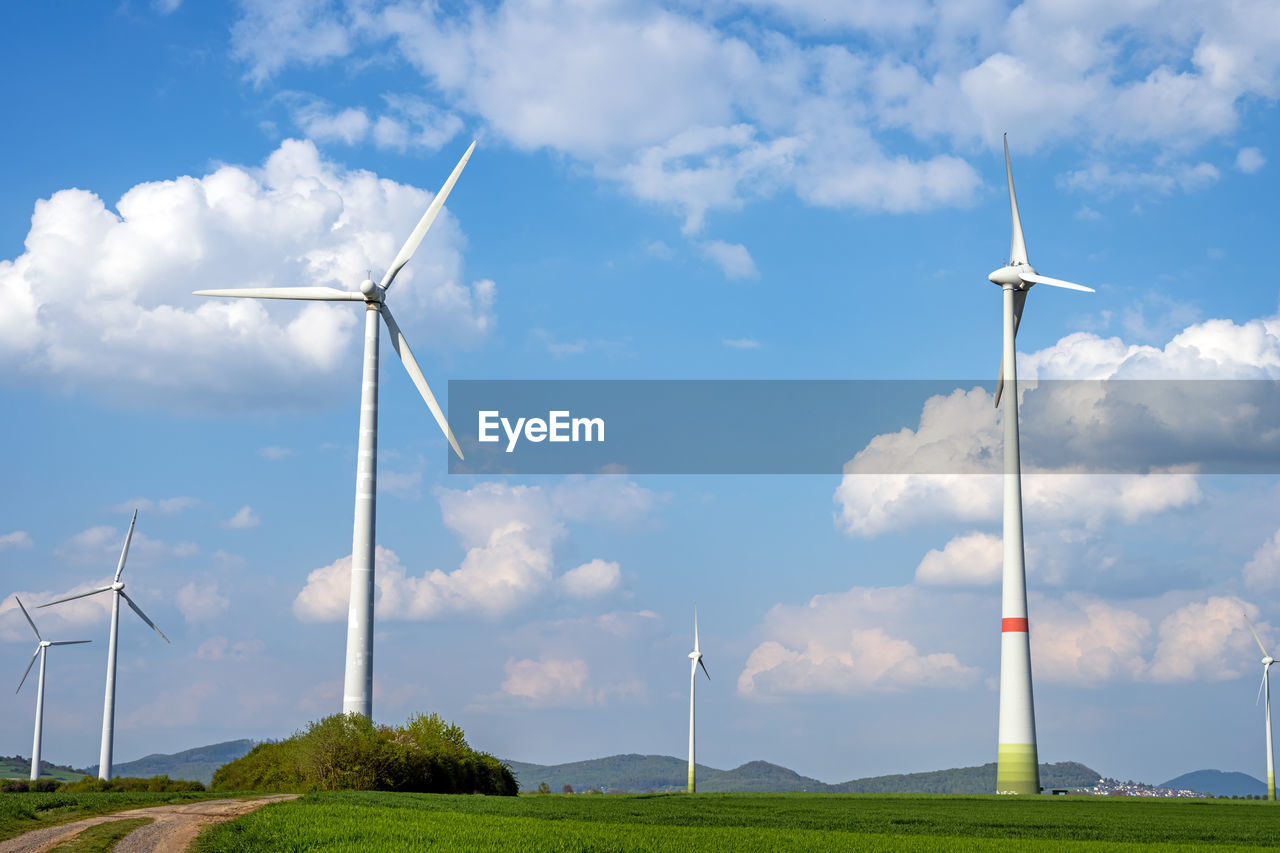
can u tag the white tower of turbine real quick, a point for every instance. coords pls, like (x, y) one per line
(695, 661)
(1265, 689)
(42, 645)
(109, 703)
(357, 688)
(1018, 768)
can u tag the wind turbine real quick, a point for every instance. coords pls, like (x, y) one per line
(109, 703)
(1265, 687)
(42, 645)
(1017, 768)
(357, 687)
(695, 661)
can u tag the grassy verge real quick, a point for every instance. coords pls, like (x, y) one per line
(101, 838)
(21, 813)
(341, 822)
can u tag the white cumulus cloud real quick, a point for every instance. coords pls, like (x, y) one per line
(848, 643)
(16, 539)
(972, 559)
(591, 579)
(101, 299)
(509, 533)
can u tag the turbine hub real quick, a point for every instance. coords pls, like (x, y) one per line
(1268, 660)
(370, 290)
(695, 655)
(118, 585)
(1007, 276)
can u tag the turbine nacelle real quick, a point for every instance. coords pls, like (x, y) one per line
(1267, 661)
(1010, 275)
(117, 586)
(695, 656)
(371, 291)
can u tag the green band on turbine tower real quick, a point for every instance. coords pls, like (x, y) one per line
(691, 780)
(1017, 769)
(1271, 786)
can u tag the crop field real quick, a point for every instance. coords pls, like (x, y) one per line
(21, 813)
(376, 822)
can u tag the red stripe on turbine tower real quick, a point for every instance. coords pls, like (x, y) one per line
(1007, 625)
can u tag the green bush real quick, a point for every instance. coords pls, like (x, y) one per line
(132, 784)
(348, 752)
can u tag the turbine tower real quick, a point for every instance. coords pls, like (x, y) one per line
(695, 661)
(1265, 688)
(357, 687)
(42, 645)
(109, 703)
(1018, 768)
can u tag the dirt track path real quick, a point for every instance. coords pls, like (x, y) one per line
(174, 829)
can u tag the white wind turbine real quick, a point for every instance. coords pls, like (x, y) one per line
(1017, 769)
(109, 703)
(357, 688)
(1265, 688)
(42, 645)
(695, 661)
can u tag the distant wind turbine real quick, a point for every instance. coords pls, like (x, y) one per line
(1265, 688)
(357, 687)
(109, 703)
(1018, 768)
(42, 645)
(695, 661)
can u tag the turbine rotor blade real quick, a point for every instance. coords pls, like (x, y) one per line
(124, 555)
(1256, 639)
(1019, 302)
(415, 239)
(320, 294)
(704, 669)
(78, 595)
(1260, 684)
(70, 642)
(695, 629)
(28, 615)
(401, 347)
(1018, 248)
(28, 672)
(1031, 278)
(138, 610)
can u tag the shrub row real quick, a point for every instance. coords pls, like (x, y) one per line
(350, 752)
(93, 785)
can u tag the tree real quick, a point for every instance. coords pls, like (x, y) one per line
(544, 788)
(567, 789)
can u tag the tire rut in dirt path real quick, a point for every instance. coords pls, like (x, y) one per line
(173, 829)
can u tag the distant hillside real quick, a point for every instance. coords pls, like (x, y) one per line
(197, 764)
(756, 777)
(665, 773)
(616, 772)
(1217, 783)
(17, 767)
(968, 780)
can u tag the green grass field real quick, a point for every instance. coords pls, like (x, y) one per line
(21, 813)
(375, 822)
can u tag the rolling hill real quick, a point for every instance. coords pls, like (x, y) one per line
(198, 763)
(1219, 783)
(665, 773)
(17, 767)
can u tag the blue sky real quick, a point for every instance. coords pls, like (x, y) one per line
(745, 190)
